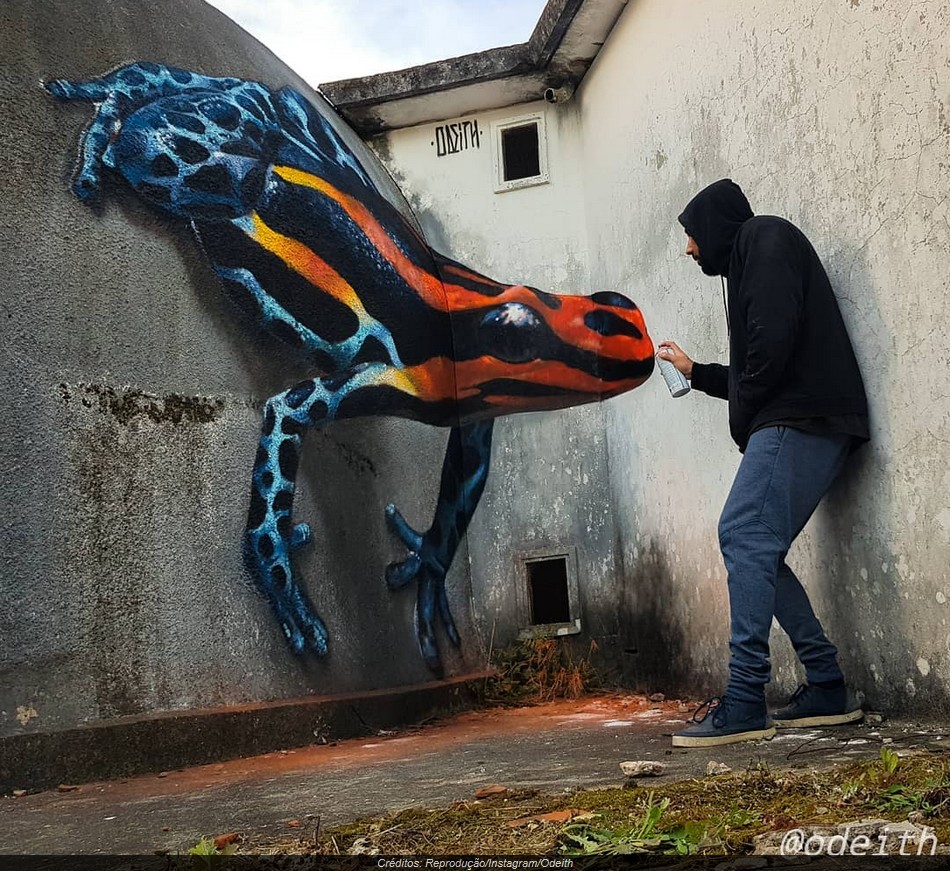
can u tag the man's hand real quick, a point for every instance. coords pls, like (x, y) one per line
(674, 354)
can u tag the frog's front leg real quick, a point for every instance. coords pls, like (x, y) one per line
(464, 471)
(118, 95)
(363, 390)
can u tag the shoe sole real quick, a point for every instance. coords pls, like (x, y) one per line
(717, 740)
(826, 720)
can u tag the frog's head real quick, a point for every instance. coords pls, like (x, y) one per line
(623, 345)
(534, 351)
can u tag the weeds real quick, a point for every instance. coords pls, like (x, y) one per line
(206, 853)
(904, 800)
(644, 837)
(540, 669)
(889, 761)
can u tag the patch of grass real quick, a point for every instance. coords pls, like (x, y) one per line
(540, 669)
(206, 853)
(929, 800)
(645, 836)
(707, 816)
(889, 761)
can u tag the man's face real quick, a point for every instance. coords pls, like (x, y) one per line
(692, 249)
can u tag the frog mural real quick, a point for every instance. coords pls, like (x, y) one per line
(295, 225)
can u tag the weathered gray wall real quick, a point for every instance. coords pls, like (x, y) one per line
(130, 399)
(836, 115)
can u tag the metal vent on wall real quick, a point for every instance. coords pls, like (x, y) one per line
(549, 593)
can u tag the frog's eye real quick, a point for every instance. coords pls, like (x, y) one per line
(512, 332)
(608, 297)
(511, 313)
(608, 323)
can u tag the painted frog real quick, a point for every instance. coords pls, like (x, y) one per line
(295, 225)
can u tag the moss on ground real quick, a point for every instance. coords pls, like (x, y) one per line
(710, 815)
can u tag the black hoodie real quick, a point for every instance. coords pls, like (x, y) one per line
(790, 358)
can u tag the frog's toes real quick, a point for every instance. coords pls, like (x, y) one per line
(402, 530)
(399, 575)
(86, 185)
(64, 90)
(294, 636)
(300, 536)
(432, 599)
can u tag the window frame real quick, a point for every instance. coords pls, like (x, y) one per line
(570, 627)
(498, 154)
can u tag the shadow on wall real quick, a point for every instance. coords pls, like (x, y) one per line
(854, 527)
(657, 656)
(867, 620)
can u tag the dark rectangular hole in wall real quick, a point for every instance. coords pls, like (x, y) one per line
(519, 148)
(547, 588)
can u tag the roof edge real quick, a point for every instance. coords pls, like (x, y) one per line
(356, 98)
(440, 75)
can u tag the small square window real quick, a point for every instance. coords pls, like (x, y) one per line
(549, 593)
(520, 153)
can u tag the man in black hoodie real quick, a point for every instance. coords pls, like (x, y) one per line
(797, 408)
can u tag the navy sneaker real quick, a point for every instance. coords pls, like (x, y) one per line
(721, 720)
(818, 706)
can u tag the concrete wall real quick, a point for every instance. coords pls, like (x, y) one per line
(547, 485)
(836, 116)
(131, 397)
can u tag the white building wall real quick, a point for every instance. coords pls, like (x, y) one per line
(548, 483)
(835, 115)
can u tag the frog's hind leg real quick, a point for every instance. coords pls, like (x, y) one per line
(464, 472)
(363, 390)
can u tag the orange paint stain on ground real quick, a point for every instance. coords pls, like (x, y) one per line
(606, 711)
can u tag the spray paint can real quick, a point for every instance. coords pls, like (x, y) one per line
(674, 379)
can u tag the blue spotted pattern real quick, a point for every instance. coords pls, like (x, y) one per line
(202, 149)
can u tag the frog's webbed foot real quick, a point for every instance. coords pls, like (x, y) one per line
(423, 567)
(272, 535)
(97, 137)
(301, 625)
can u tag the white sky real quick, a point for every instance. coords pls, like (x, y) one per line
(325, 40)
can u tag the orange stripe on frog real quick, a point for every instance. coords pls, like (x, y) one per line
(567, 321)
(428, 286)
(441, 378)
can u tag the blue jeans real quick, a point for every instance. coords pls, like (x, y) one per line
(781, 479)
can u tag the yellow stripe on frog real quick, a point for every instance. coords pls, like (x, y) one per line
(305, 262)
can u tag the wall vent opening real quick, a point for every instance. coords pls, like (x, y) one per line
(549, 599)
(519, 152)
(547, 591)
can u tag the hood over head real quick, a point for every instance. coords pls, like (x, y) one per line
(713, 218)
